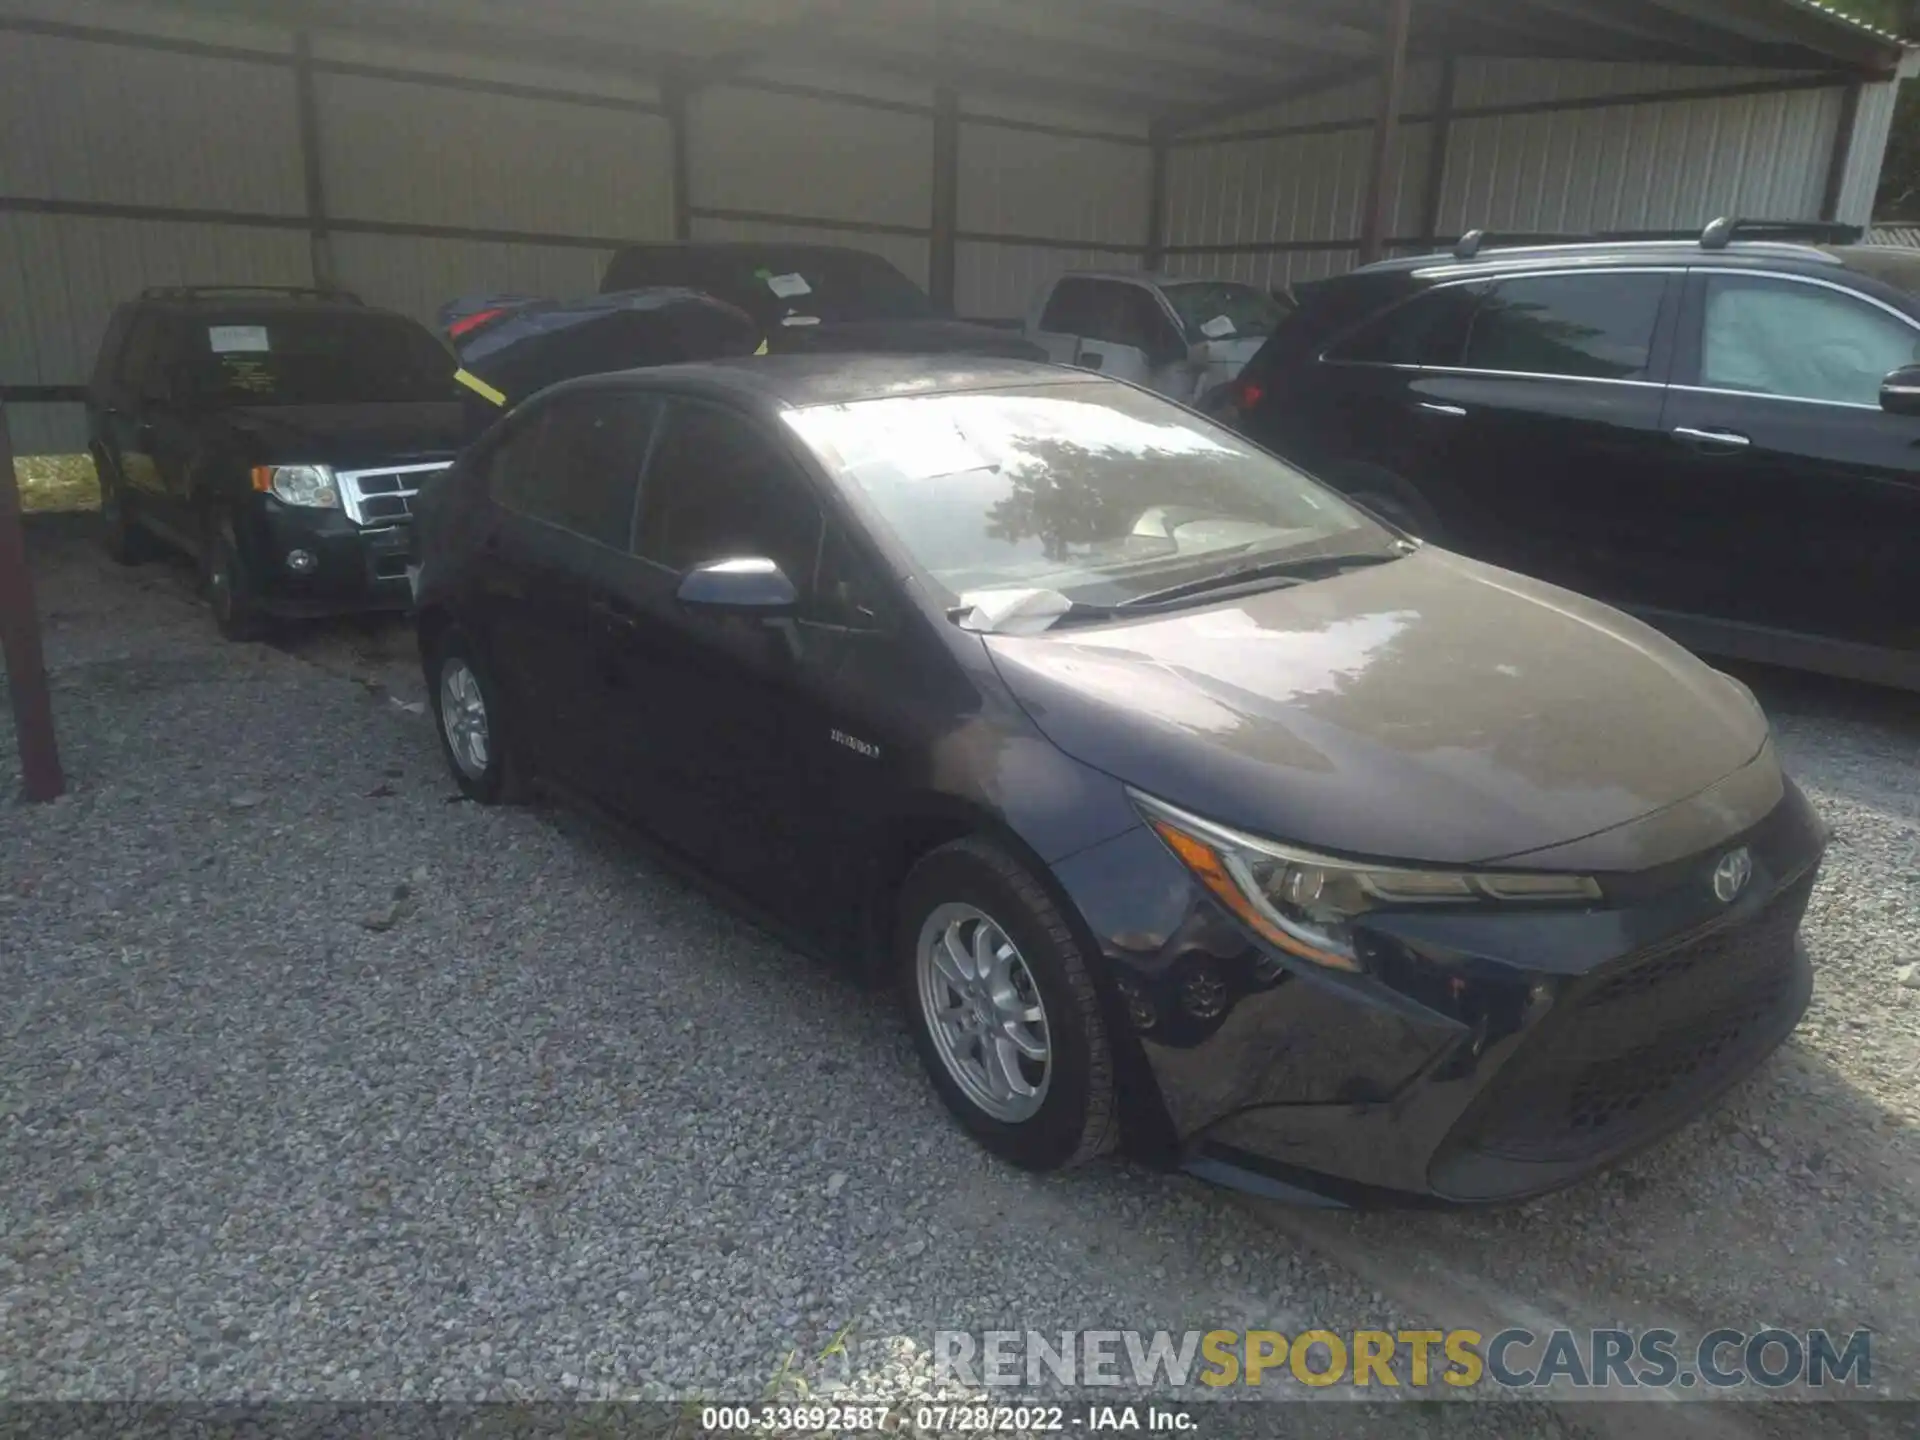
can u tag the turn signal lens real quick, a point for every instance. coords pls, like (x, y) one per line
(1305, 903)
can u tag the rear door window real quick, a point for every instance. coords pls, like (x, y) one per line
(1804, 342)
(1430, 329)
(1598, 327)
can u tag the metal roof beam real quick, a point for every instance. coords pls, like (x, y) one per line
(1051, 26)
(1789, 24)
(1005, 72)
(1184, 122)
(1255, 23)
(1686, 38)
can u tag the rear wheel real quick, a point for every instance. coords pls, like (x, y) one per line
(472, 725)
(1003, 1009)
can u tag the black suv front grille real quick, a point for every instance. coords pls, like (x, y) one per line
(1635, 1045)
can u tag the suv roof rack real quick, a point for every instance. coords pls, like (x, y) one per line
(200, 292)
(1717, 235)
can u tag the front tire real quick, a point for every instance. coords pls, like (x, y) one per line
(231, 593)
(471, 723)
(1004, 1010)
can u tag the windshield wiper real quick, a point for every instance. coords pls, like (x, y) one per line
(1299, 570)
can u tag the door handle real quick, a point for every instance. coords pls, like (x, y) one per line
(1711, 439)
(1457, 412)
(612, 615)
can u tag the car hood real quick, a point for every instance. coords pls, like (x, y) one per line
(909, 337)
(1432, 709)
(347, 435)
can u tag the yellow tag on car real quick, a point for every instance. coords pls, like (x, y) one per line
(479, 387)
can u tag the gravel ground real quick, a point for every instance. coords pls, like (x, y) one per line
(318, 1084)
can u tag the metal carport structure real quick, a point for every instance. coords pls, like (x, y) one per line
(416, 149)
(412, 149)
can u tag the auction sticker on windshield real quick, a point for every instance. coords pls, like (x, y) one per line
(227, 339)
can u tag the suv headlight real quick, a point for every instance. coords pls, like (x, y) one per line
(311, 486)
(1305, 903)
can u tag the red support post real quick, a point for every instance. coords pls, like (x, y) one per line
(20, 641)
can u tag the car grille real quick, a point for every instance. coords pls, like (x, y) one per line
(1637, 1044)
(383, 496)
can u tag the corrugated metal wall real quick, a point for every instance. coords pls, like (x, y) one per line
(1518, 160)
(123, 165)
(442, 175)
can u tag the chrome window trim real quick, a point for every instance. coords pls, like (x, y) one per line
(1763, 395)
(1470, 373)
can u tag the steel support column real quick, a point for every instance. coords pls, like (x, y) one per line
(1393, 84)
(20, 642)
(942, 251)
(1437, 154)
(1841, 156)
(1156, 254)
(311, 161)
(674, 93)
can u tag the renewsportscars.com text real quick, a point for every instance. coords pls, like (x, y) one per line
(1511, 1359)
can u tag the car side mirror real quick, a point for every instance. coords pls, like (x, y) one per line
(1900, 391)
(750, 585)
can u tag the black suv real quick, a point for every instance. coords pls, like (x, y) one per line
(276, 435)
(1720, 433)
(815, 297)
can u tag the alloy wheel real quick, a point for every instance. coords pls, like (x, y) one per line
(984, 1012)
(463, 716)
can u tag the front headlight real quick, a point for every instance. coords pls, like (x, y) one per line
(311, 486)
(1305, 903)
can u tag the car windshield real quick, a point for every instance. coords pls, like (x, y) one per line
(1097, 491)
(325, 358)
(1224, 310)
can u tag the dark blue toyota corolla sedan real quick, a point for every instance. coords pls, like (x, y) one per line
(1191, 810)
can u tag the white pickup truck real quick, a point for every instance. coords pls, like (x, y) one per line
(1183, 338)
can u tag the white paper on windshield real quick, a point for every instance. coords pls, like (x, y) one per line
(800, 320)
(788, 286)
(229, 339)
(1013, 612)
(1218, 328)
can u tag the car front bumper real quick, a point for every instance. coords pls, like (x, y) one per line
(355, 568)
(1483, 1055)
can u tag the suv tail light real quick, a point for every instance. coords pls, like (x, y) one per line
(1248, 394)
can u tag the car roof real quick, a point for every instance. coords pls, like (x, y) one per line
(232, 303)
(1737, 255)
(796, 381)
(743, 248)
(1159, 279)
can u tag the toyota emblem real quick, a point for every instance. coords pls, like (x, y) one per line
(1731, 875)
